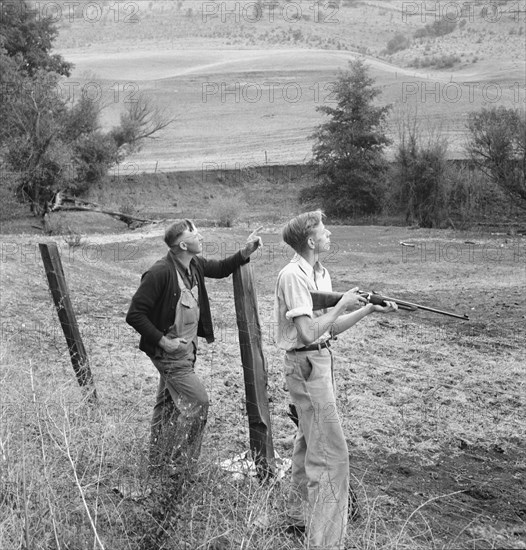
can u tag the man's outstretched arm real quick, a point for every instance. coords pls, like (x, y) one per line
(218, 269)
(335, 321)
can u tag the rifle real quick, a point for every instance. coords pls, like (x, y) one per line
(322, 300)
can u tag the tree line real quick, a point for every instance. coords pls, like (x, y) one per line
(355, 177)
(48, 142)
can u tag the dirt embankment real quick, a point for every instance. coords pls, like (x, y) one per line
(244, 196)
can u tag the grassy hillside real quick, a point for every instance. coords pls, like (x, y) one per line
(246, 196)
(242, 197)
(362, 26)
(246, 91)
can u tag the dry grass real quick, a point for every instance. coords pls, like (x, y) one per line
(432, 408)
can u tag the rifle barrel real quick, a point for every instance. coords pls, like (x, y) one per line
(426, 308)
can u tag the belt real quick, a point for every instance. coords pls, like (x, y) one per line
(312, 347)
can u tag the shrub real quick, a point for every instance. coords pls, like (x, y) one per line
(446, 61)
(437, 28)
(10, 207)
(397, 43)
(442, 62)
(226, 211)
(497, 145)
(442, 27)
(419, 175)
(472, 195)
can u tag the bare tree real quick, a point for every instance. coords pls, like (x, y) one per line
(497, 145)
(142, 120)
(419, 173)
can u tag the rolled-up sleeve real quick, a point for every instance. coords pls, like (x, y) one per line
(296, 296)
(292, 299)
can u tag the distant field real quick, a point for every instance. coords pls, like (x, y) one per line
(232, 106)
(246, 93)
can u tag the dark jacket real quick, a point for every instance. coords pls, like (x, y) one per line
(152, 310)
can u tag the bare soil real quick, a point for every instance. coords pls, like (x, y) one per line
(433, 407)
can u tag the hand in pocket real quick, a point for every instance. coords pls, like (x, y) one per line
(171, 345)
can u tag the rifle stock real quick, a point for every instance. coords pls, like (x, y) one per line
(323, 300)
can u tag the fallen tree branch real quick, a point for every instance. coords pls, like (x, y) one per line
(503, 224)
(60, 200)
(120, 215)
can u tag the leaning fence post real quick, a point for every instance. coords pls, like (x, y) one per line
(59, 291)
(254, 370)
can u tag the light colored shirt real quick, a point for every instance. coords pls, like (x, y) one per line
(292, 299)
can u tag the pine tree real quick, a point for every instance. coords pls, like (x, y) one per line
(349, 147)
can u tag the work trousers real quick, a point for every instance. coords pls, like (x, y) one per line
(179, 415)
(320, 460)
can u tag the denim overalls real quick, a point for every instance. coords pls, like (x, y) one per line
(181, 407)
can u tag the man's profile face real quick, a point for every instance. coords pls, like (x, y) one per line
(193, 240)
(321, 238)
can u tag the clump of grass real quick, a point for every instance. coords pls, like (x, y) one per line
(226, 211)
(54, 225)
(73, 238)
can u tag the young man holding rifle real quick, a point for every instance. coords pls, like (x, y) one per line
(318, 502)
(170, 310)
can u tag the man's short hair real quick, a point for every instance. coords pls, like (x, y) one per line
(298, 230)
(174, 231)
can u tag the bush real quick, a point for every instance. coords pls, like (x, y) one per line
(226, 211)
(421, 33)
(95, 153)
(420, 176)
(437, 28)
(472, 195)
(10, 207)
(297, 35)
(442, 62)
(497, 145)
(446, 61)
(442, 27)
(397, 43)
(347, 195)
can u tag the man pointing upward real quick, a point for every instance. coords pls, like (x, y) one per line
(170, 310)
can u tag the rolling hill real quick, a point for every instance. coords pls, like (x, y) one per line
(245, 91)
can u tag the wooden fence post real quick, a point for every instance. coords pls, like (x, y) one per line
(254, 370)
(59, 291)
